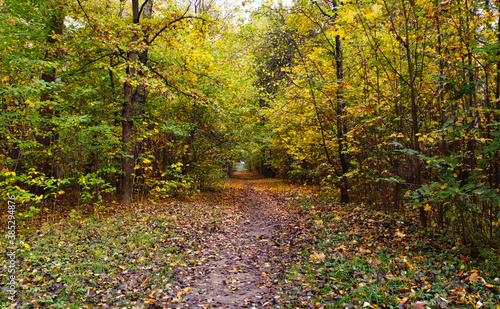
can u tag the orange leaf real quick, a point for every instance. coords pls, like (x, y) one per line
(474, 277)
(403, 300)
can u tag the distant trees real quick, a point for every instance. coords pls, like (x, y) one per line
(103, 98)
(393, 104)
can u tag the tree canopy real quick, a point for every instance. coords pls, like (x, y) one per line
(393, 104)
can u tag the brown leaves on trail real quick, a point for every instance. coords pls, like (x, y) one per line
(245, 259)
(127, 258)
(242, 247)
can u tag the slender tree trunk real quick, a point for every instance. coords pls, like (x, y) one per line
(496, 167)
(134, 102)
(340, 110)
(417, 177)
(130, 98)
(48, 135)
(341, 126)
(442, 108)
(141, 96)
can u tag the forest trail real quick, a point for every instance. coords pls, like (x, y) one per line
(255, 243)
(246, 258)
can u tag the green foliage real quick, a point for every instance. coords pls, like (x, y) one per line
(177, 185)
(418, 104)
(363, 258)
(61, 131)
(92, 187)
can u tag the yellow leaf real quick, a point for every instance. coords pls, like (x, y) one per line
(26, 246)
(317, 256)
(403, 300)
(427, 207)
(319, 223)
(152, 294)
(400, 234)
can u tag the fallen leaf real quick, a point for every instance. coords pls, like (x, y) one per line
(419, 305)
(318, 256)
(474, 277)
(374, 262)
(403, 300)
(400, 234)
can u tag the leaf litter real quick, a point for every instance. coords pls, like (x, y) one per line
(227, 249)
(257, 243)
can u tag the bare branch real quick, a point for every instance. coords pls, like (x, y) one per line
(84, 12)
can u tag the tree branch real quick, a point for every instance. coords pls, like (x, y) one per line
(80, 70)
(142, 8)
(84, 12)
(168, 84)
(173, 22)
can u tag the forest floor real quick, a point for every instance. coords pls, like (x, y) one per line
(255, 243)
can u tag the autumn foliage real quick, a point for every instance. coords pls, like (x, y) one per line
(389, 104)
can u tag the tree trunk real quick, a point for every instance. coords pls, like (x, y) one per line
(127, 117)
(415, 162)
(341, 126)
(496, 167)
(134, 102)
(48, 135)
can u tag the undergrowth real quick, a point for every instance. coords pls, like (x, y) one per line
(126, 259)
(365, 258)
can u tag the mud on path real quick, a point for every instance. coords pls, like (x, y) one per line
(243, 261)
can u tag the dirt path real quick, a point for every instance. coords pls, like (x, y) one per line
(242, 263)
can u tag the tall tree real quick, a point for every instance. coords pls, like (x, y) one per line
(135, 97)
(49, 134)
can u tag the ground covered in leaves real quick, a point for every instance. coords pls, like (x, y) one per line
(360, 258)
(256, 243)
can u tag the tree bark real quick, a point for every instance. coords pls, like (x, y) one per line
(130, 99)
(48, 135)
(415, 162)
(341, 126)
(134, 100)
